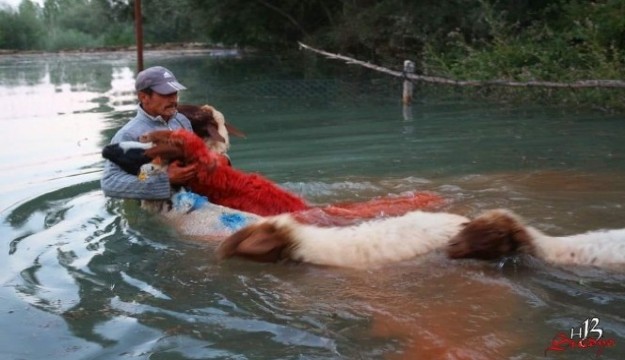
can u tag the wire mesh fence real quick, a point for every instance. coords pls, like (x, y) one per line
(383, 89)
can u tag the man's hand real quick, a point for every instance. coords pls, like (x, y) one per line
(180, 175)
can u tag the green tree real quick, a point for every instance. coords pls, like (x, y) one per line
(21, 30)
(168, 21)
(268, 24)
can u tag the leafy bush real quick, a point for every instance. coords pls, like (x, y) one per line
(71, 39)
(583, 41)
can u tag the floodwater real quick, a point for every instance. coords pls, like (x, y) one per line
(86, 277)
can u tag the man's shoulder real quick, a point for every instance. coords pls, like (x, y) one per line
(184, 121)
(132, 130)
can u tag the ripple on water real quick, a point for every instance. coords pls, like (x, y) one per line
(89, 277)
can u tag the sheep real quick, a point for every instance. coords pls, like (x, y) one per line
(256, 194)
(207, 123)
(498, 233)
(362, 246)
(250, 193)
(135, 158)
(225, 185)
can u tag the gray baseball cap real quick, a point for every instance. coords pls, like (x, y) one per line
(158, 79)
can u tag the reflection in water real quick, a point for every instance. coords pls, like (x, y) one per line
(54, 120)
(89, 277)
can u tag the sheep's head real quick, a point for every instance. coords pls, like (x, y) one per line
(492, 235)
(211, 126)
(262, 242)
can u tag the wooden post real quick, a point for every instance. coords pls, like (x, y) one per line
(407, 95)
(139, 34)
(407, 112)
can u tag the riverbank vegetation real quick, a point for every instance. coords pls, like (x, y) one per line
(523, 40)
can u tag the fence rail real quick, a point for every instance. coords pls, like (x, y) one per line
(445, 81)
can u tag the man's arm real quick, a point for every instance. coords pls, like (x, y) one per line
(117, 183)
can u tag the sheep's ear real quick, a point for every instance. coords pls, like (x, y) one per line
(214, 133)
(234, 131)
(258, 242)
(218, 118)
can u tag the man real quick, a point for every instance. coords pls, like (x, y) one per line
(157, 90)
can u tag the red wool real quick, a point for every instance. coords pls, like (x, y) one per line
(226, 186)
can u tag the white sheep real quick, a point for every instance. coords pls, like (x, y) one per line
(365, 245)
(498, 233)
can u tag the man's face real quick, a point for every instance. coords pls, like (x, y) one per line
(157, 104)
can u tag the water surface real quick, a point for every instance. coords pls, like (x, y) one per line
(86, 277)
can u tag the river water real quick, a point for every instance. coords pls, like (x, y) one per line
(87, 277)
